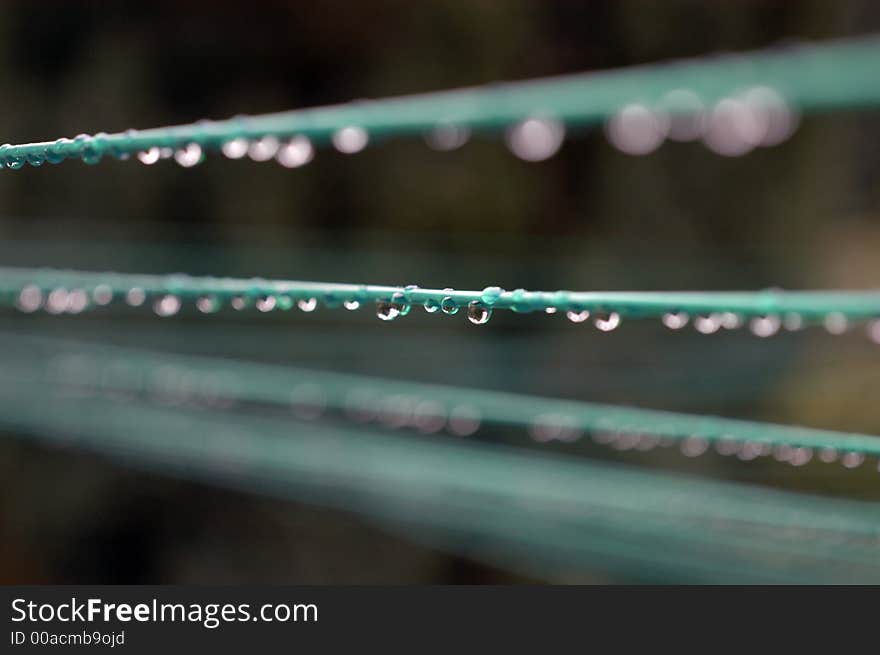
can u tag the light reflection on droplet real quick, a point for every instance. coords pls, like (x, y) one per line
(386, 310)
(56, 302)
(694, 446)
(535, 139)
(732, 128)
(686, 114)
(792, 322)
(189, 155)
(730, 320)
(265, 303)
(307, 304)
(263, 149)
(836, 323)
(464, 420)
(351, 304)
(606, 322)
(350, 140)
(296, 152)
(207, 304)
(77, 301)
(167, 305)
(674, 320)
(852, 460)
(149, 157)
(764, 326)
(102, 294)
(636, 130)
(30, 299)
(478, 313)
(828, 455)
(135, 296)
(800, 456)
(235, 148)
(707, 323)
(776, 120)
(577, 316)
(237, 303)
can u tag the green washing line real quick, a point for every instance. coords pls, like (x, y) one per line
(217, 383)
(547, 515)
(64, 291)
(831, 76)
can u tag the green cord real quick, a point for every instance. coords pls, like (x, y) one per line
(830, 76)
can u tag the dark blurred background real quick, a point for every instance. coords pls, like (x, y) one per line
(800, 215)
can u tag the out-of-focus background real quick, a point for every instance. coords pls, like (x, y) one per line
(800, 215)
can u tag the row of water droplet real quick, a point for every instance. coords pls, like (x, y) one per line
(60, 300)
(733, 126)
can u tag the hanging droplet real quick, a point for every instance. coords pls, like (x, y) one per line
(449, 306)
(535, 139)
(77, 301)
(135, 296)
(707, 323)
(387, 311)
(775, 121)
(694, 446)
(464, 420)
(351, 304)
(30, 299)
(852, 460)
(432, 306)
(800, 456)
(398, 299)
(732, 129)
(263, 149)
(149, 157)
(686, 115)
(490, 295)
(764, 326)
(606, 321)
(307, 304)
(167, 305)
(792, 322)
(238, 303)
(577, 316)
(235, 148)
(636, 130)
(730, 320)
(873, 330)
(189, 155)
(675, 320)
(284, 302)
(296, 152)
(446, 136)
(56, 301)
(727, 446)
(102, 294)
(265, 303)
(478, 313)
(836, 323)
(350, 140)
(828, 455)
(208, 304)
(550, 310)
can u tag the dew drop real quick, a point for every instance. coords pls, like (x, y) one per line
(447, 136)
(535, 139)
(30, 299)
(707, 323)
(550, 310)
(350, 140)
(730, 320)
(167, 305)
(14, 163)
(852, 460)
(207, 304)
(307, 304)
(694, 446)
(636, 130)
(464, 420)
(478, 313)
(238, 303)
(263, 149)
(732, 129)
(189, 155)
(764, 326)
(351, 304)
(674, 320)
(135, 296)
(686, 114)
(398, 299)
(726, 446)
(828, 455)
(836, 323)
(102, 294)
(149, 157)
(490, 295)
(285, 302)
(77, 301)
(296, 152)
(265, 303)
(605, 321)
(432, 306)
(235, 148)
(449, 306)
(792, 322)
(387, 311)
(577, 316)
(800, 456)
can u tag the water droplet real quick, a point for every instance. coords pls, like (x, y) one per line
(449, 306)
(77, 301)
(836, 323)
(636, 130)
(398, 299)
(428, 416)
(30, 299)
(577, 316)
(873, 329)
(189, 155)
(490, 295)
(350, 140)
(265, 303)
(446, 136)
(550, 310)
(431, 306)
(238, 303)
(284, 301)
(776, 122)
(727, 446)
(675, 320)
(464, 420)
(167, 305)
(694, 446)
(235, 148)
(14, 163)
(730, 320)
(149, 157)
(732, 129)
(800, 456)
(852, 460)
(478, 313)
(685, 110)
(535, 139)
(263, 149)
(102, 294)
(135, 297)
(166, 152)
(296, 152)
(351, 304)
(792, 322)
(208, 304)
(828, 455)
(606, 321)
(764, 326)
(387, 311)
(307, 304)
(707, 323)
